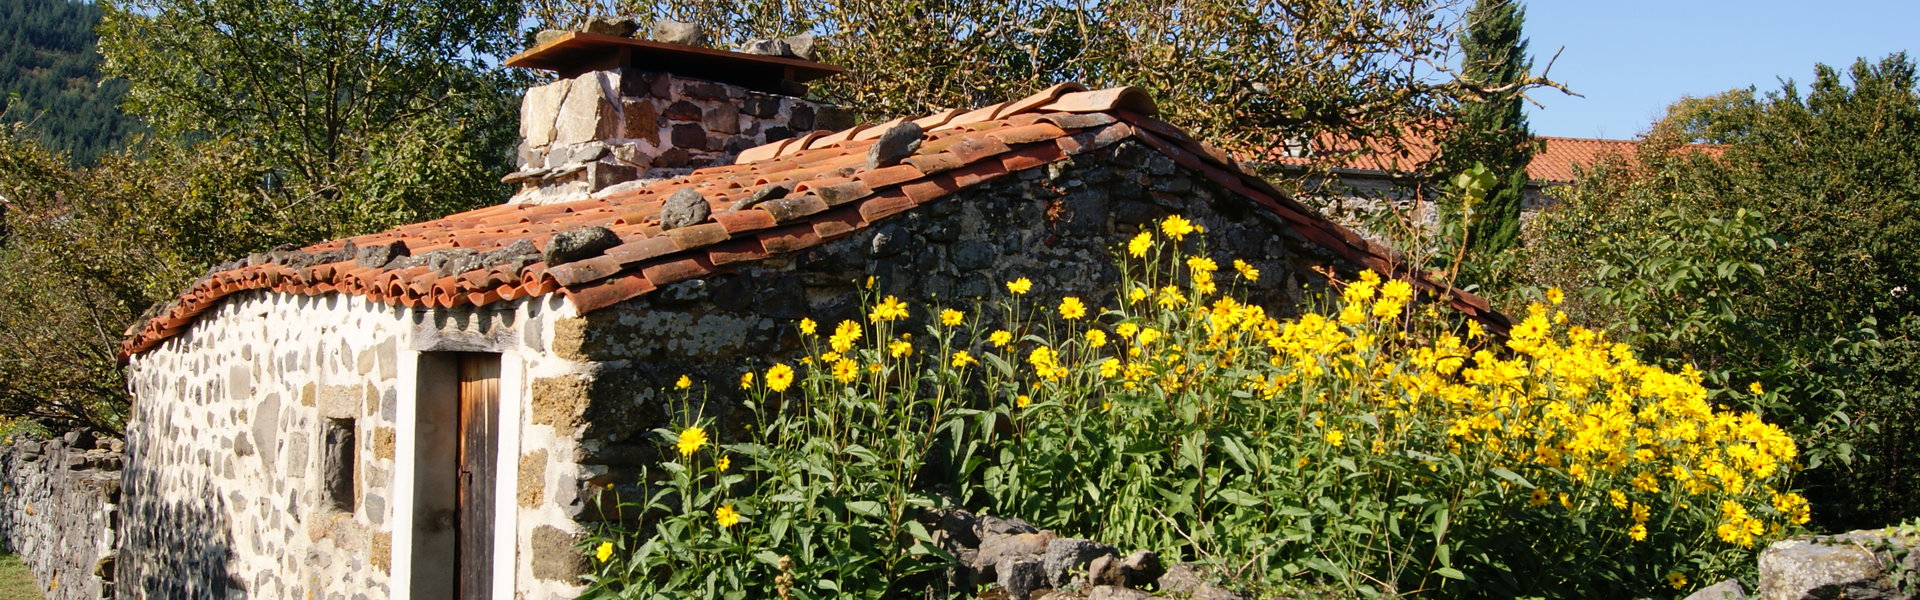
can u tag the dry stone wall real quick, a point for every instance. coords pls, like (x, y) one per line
(593, 131)
(59, 506)
(1058, 225)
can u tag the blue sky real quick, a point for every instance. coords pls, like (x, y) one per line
(1631, 58)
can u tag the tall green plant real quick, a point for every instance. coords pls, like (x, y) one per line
(1493, 131)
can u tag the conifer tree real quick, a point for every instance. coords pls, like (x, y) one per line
(1492, 131)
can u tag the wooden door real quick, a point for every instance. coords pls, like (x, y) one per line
(479, 445)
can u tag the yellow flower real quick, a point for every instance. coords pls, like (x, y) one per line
(1110, 368)
(1617, 498)
(889, 309)
(1000, 338)
(1539, 498)
(1794, 507)
(1137, 294)
(1096, 338)
(1638, 532)
(604, 552)
(1555, 296)
(1677, 580)
(684, 382)
(1176, 227)
(1020, 286)
(779, 377)
(1756, 389)
(746, 380)
(1246, 270)
(844, 336)
(951, 317)
(1022, 400)
(807, 326)
(1140, 243)
(961, 359)
(691, 439)
(1126, 330)
(725, 516)
(899, 348)
(722, 464)
(1334, 436)
(1071, 308)
(1201, 264)
(845, 370)
(1170, 297)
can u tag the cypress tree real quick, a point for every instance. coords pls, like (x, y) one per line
(1493, 132)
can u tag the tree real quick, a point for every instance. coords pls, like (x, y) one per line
(1492, 132)
(367, 114)
(1786, 258)
(275, 122)
(1250, 77)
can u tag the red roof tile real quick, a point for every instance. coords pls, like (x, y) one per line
(493, 254)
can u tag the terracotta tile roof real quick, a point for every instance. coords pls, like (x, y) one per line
(495, 254)
(1553, 163)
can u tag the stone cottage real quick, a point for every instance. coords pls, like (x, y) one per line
(421, 412)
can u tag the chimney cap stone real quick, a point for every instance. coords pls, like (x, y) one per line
(577, 52)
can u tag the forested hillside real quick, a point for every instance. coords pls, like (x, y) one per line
(49, 75)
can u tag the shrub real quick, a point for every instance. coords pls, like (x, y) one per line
(1374, 448)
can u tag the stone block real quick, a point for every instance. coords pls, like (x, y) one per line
(640, 120)
(760, 105)
(801, 117)
(533, 478)
(561, 402)
(1860, 564)
(539, 109)
(683, 111)
(554, 556)
(340, 401)
(588, 112)
(383, 443)
(723, 118)
(690, 135)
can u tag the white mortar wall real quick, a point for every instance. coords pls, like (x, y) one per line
(224, 489)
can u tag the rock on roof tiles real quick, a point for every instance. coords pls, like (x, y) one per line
(495, 254)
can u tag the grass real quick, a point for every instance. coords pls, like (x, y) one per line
(16, 582)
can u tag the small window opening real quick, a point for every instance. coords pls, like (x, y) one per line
(337, 464)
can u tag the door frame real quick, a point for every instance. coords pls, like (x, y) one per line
(426, 376)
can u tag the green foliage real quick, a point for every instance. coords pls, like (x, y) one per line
(832, 497)
(1790, 260)
(1363, 451)
(365, 114)
(48, 72)
(1251, 76)
(1492, 132)
(86, 250)
(275, 123)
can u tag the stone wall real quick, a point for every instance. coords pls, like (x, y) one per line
(232, 481)
(603, 128)
(59, 504)
(1058, 225)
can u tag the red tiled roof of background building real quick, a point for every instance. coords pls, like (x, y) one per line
(483, 255)
(1554, 161)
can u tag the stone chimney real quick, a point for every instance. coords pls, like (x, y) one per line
(625, 111)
